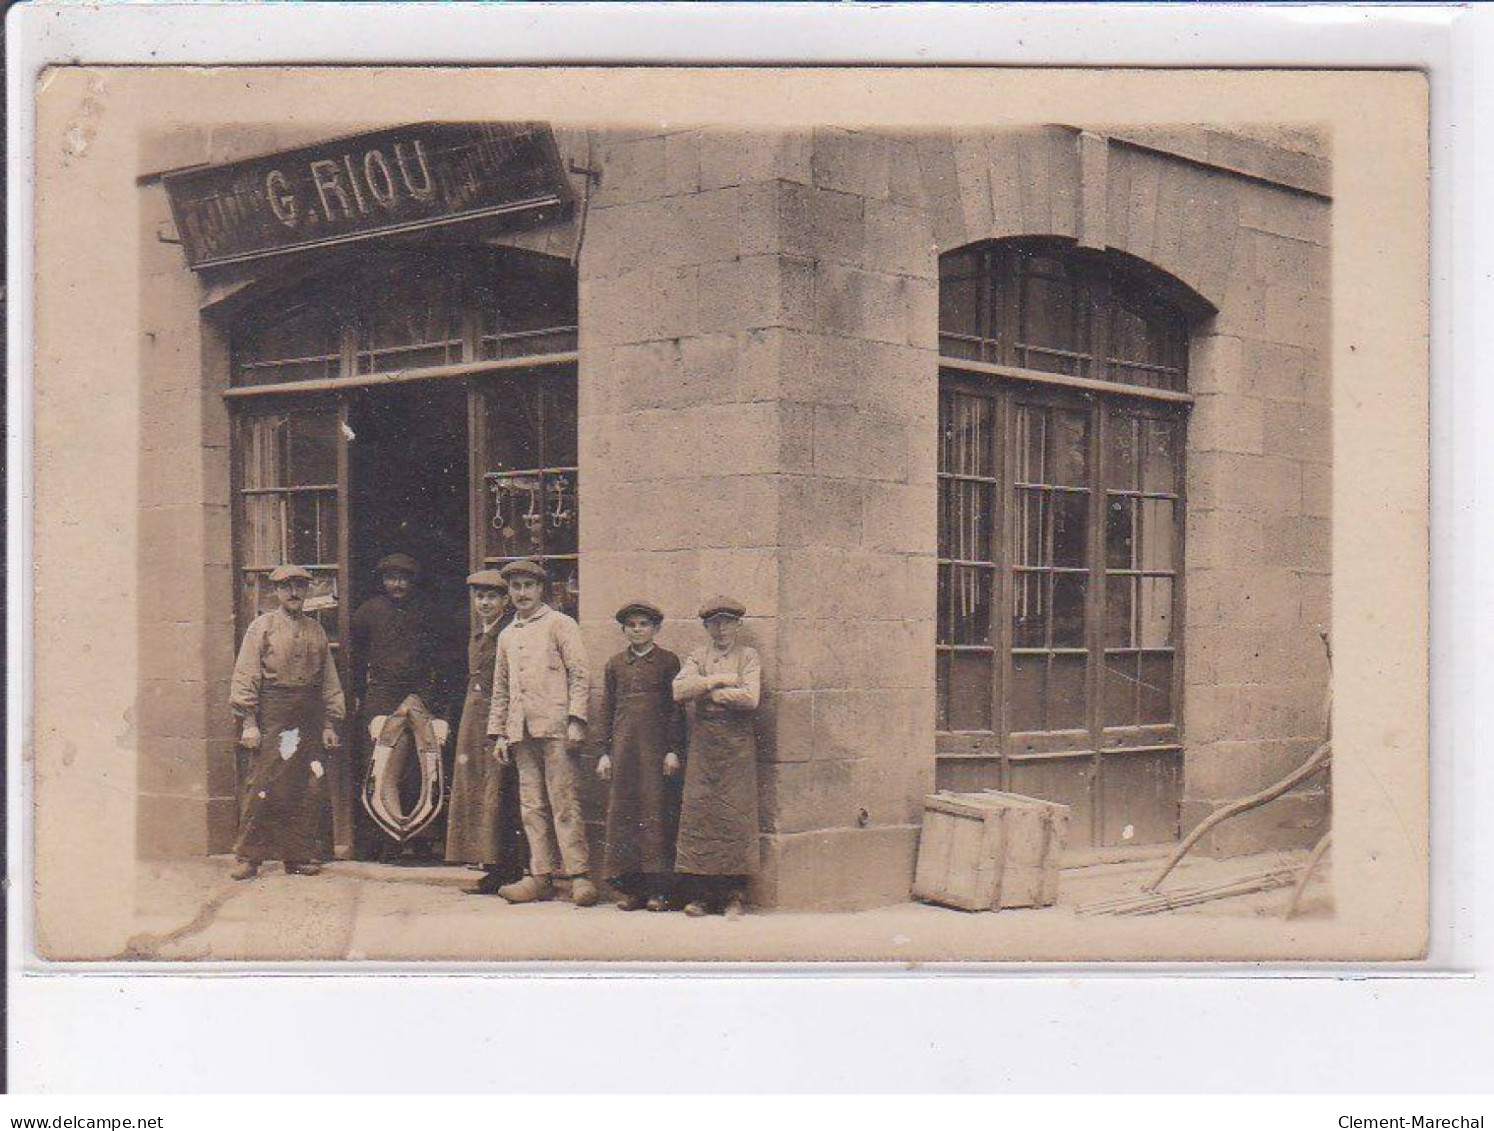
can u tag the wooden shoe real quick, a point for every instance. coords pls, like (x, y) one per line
(246, 870)
(696, 909)
(632, 903)
(530, 889)
(583, 892)
(658, 903)
(735, 907)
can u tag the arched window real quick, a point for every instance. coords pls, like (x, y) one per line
(1062, 413)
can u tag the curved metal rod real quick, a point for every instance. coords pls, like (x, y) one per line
(1307, 871)
(1320, 759)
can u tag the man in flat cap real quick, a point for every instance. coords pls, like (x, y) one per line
(641, 733)
(396, 654)
(538, 722)
(483, 822)
(717, 848)
(288, 701)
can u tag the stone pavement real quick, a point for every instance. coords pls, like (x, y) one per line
(190, 911)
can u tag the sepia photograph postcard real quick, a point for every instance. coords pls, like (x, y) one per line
(504, 517)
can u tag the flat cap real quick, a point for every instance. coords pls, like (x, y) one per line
(525, 567)
(718, 606)
(647, 608)
(402, 562)
(487, 579)
(289, 573)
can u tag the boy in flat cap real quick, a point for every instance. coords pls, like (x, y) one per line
(538, 721)
(641, 733)
(288, 701)
(717, 847)
(483, 820)
(396, 640)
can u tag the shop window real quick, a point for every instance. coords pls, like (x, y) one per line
(1062, 415)
(537, 317)
(411, 321)
(299, 339)
(529, 501)
(288, 507)
(411, 313)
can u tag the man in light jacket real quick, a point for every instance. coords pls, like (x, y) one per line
(538, 721)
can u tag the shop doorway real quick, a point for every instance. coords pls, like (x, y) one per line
(408, 488)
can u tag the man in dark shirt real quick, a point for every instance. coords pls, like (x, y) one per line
(396, 653)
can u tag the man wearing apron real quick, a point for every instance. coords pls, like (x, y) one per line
(717, 848)
(287, 698)
(483, 825)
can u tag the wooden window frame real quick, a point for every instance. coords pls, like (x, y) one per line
(995, 376)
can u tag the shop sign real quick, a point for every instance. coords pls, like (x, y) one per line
(374, 184)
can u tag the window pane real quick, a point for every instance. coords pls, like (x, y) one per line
(1070, 527)
(970, 691)
(969, 605)
(1119, 532)
(1119, 596)
(1030, 611)
(1156, 534)
(1156, 687)
(1158, 469)
(303, 528)
(516, 520)
(965, 435)
(941, 690)
(410, 321)
(312, 449)
(1028, 692)
(1032, 506)
(945, 627)
(565, 585)
(1121, 452)
(965, 520)
(299, 340)
(1120, 690)
(1068, 609)
(1066, 692)
(1155, 612)
(1031, 432)
(959, 306)
(1068, 452)
(326, 511)
(264, 543)
(514, 427)
(560, 422)
(264, 452)
(561, 529)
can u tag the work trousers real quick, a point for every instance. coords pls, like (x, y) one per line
(550, 803)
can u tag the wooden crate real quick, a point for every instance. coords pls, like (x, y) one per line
(985, 851)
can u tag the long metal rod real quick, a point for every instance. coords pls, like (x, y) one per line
(1089, 384)
(401, 376)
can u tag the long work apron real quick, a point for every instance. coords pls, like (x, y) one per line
(283, 813)
(718, 818)
(483, 825)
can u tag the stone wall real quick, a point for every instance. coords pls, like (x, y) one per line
(758, 319)
(185, 738)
